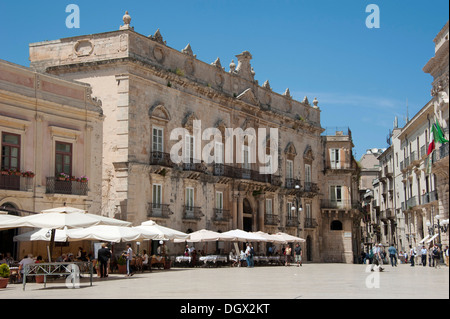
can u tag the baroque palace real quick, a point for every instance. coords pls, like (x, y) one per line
(148, 89)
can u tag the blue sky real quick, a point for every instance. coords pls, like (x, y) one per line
(362, 77)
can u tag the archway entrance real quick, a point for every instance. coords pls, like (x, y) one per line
(308, 248)
(247, 216)
(7, 245)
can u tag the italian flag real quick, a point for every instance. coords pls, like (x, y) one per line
(436, 136)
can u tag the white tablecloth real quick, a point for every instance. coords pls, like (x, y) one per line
(213, 258)
(180, 259)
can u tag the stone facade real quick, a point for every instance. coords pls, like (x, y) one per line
(48, 125)
(148, 90)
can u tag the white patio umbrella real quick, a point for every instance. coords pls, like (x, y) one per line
(163, 233)
(5, 217)
(272, 238)
(204, 235)
(43, 234)
(242, 235)
(58, 218)
(289, 238)
(107, 233)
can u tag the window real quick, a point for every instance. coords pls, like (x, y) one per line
(336, 225)
(158, 140)
(189, 199)
(289, 210)
(189, 148)
(334, 158)
(218, 153)
(10, 151)
(307, 173)
(246, 157)
(269, 206)
(289, 169)
(219, 200)
(336, 195)
(157, 195)
(308, 211)
(63, 158)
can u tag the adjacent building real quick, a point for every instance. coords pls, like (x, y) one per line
(51, 146)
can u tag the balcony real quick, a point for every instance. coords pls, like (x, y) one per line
(67, 187)
(429, 197)
(192, 213)
(16, 182)
(411, 202)
(221, 215)
(338, 204)
(292, 221)
(443, 151)
(194, 167)
(160, 158)
(339, 165)
(244, 173)
(158, 210)
(311, 223)
(270, 219)
(290, 183)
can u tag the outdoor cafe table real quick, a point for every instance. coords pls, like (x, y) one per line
(72, 269)
(183, 259)
(213, 259)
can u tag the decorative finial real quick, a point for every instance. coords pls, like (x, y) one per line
(217, 63)
(232, 66)
(315, 102)
(188, 50)
(126, 20)
(305, 101)
(287, 93)
(266, 85)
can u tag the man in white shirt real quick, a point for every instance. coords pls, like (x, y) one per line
(423, 252)
(129, 255)
(28, 260)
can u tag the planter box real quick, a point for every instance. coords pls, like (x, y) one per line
(4, 282)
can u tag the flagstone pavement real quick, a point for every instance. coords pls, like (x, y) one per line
(311, 281)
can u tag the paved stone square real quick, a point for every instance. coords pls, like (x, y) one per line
(311, 281)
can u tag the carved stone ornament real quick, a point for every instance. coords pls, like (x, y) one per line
(158, 37)
(159, 55)
(83, 48)
(189, 67)
(188, 50)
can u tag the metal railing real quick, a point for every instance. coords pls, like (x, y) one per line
(310, 223)
(158, 210)
(71, 269)
(343, 204)
(270, 219)
(69, 187)
(192, 213)
(221, 215)
(161, 158)
(16, 182)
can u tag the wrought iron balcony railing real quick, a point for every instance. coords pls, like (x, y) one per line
(192, 213)
(270, 219)
(221, 215)
(69, 187)
(161, 158)
(158, 210)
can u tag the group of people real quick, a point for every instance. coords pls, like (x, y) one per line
(249, 253)
(378, 256)
(432, 254)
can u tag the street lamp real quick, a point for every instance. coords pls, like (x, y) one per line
(299, 205)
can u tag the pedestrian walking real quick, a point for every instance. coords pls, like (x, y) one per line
(129, 256)
(377, 261)
(430, 256)
(298, 255)
(423, 253)
(248, 255)
(446, 255)
(412, 254)
(287, 252)
(393, 255)
(104, 254)
(436, 256)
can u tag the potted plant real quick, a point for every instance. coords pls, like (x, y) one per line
(28, 174)
(84, 179)
(62, 176)
(4, 275)
(122, 265)
(39, 278)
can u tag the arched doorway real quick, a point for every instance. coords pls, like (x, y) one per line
(308, 248)
(247, 216)
(7, 245)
